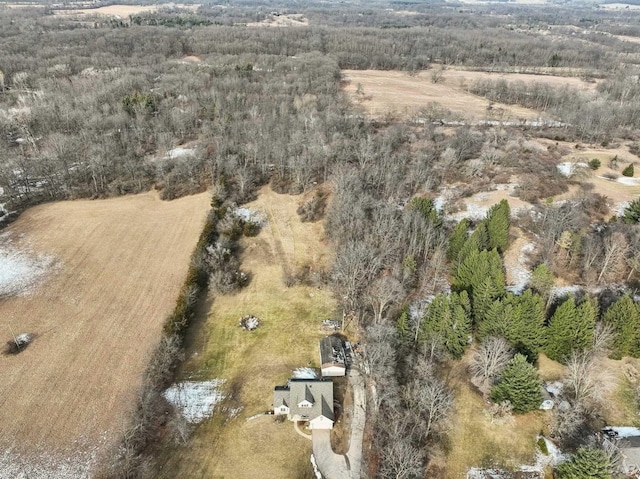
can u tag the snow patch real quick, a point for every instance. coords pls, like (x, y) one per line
(195, 399)
(520, 271)
(568, 168)
(628, 181)
(304, 373)
(46, 466)
(19, 271)
(554, 388)
(559, 291)
(251, 216)
(618, 208)
(180, 152)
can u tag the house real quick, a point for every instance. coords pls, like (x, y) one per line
(306, 400)
(332, 357)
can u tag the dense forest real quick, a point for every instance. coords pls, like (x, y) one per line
(185, 101)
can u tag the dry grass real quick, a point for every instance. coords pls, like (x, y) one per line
(121, 263)
(253, 363)
(550, 370)
(402, 94)
(476, 441)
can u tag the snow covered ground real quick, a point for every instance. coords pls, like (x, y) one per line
(180, 152)
(569, 168)
(195, 399)
(628, 181)
(46, 466)
(304, 373)
(253, 216)
(20, 271)
(519, 272)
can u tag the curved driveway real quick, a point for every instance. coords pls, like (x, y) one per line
(336, 466)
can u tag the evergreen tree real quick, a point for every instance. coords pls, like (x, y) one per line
(628, 171)
(624, 317)
(484, 295)
(498, 222)
(476, 242)
(542, 281)
(520, 385)
(427, 209)
(631, 213)
(571, 329)
(587, 463)
(520, 320)
(457, 239)
(448, 320)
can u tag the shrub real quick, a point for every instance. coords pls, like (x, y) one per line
(587, 463)
(251, 229)
(542, 445)
(594, 164)
(631, 213)
(628, 171)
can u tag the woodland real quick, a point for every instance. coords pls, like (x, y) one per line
(184, 101)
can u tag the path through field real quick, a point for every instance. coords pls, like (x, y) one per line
(97, 314)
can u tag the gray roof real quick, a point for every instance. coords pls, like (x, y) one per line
(281, 396)
(318, 392)
(332, 351)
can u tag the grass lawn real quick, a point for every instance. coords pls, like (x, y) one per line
(477, 441)
(252, 363)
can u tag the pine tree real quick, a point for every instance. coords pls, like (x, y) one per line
(520, 320)
(571, 329)
(458, 237)
(542, 281)
(427, 209)
(498, 222)
(448, 320)
(520, 385)
(476, 242)
(587, 463)
(631, 214)
(624, 317)
(628, 171)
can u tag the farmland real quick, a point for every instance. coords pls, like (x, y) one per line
(116, 267)
(405, 95)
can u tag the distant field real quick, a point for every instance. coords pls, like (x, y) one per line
(117, 267)
(402, 94)
(290, 20)
(123, 10)
(252, 363)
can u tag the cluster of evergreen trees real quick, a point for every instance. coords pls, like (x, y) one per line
(480, 305)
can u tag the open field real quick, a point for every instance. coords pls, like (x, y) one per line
(123, 10)
(476, 441)
(97, 315)
(252, 363)
(399, 93)
(289, 20)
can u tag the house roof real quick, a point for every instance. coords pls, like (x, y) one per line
(281, 396)
(317, 391)
(332, 352)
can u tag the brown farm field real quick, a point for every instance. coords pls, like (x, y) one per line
(252, 363)
(97, 314)
(399, 93)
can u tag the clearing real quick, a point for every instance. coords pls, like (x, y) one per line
(282, 20)
(478, 441)
(123, 11)
(97, 315)
(252, 363)
(399, 93)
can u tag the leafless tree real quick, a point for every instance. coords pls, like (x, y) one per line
(430, 403)
(488, 361)
(581, 379)
(615, 247)
(381, 294)
(401, 459)
(379, 358)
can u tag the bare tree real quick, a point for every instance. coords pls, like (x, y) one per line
(381, 294)
(430, 402)
(615, 248)
(581, 377)
(401, 459)
(488, 362)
